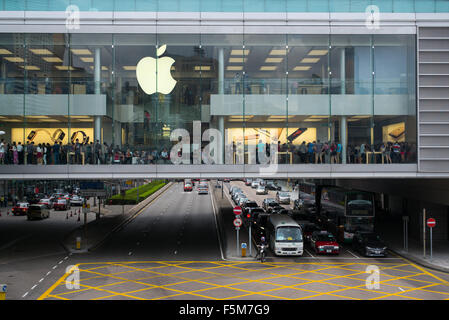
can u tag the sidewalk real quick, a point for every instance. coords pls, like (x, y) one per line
(227, 230)
(392, 233)
(113, 218)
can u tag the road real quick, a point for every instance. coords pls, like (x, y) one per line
(170, 250)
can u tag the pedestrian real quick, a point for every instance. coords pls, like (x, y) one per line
(97, 150)
(56, 150)
(20, 152)
(303, 152)
(15, 154)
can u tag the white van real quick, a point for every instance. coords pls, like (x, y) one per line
(284, 236)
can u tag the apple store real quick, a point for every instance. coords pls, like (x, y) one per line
(132, 90)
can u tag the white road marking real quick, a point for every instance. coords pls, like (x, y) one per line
(401, 289)
(352, 254)
(130, 253)
(25, 295)
(32, 288)
(309, 253)
(41, 280)
(55, 267)
(48, 273)
(60, 261)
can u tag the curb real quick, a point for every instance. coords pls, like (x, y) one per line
(421, 262)
(133, 212)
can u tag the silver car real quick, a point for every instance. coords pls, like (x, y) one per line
(261, 190)
(283, 197)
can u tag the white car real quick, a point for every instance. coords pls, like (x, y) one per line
(261, 190)
(76, 201)
(203, 189)
(254, 184)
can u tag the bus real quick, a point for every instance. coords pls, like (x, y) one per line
(343, 212)
(284, 236)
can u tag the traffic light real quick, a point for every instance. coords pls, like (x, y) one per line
(248, 216)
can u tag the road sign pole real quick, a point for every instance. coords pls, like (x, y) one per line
(249, 239)
(424, 232)
(237, 240)
(431, 243)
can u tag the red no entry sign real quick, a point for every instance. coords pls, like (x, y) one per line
(237, 211)
(431, 222)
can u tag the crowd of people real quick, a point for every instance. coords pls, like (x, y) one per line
(315, 152)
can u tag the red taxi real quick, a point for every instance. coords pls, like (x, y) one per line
(20, 209)
(324, 242)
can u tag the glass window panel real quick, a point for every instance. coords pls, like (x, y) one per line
(318, 5)
(125, 5)
(385, 5)
(308, 100)
(442, 6)
(394, 99)
(58, 5)
(103, 5)
(18, 5)
(403, 6)
(296, 6)
(83, 5)
(425, 5)
(146, 5)
(340, 6)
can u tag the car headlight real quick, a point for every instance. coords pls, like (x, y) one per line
(369, 248)
(336, 247)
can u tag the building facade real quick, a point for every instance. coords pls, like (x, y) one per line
(288, 89)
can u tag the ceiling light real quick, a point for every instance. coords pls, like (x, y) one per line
(81, 52)
(268, 68)
(312, 120)
(30, 68)
(102, 68)
(202, 68)
(5, 51)
(52, 59)
(78, 117)
(15, 59)
(273, 60)
(237, 60)
(37, 117)
(234, 68)
(236, 52)
(41, 51)
(302, 68)
(12, 120)
(361, 117)
(172, 68)
(64, 67)
(277, 52)
(319, 117)
(129, 68)
(310, 60)
(87, 59)
(318, 52)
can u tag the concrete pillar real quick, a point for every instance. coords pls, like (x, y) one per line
(343, 120)
(221, 126)
(97, 79)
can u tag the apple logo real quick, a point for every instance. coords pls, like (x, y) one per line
(154, 75)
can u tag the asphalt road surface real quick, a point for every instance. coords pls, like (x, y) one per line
(170, 250)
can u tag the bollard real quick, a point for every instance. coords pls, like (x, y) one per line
(78, 243)
(243, 249)
(3, 290)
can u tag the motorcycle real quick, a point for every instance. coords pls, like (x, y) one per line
(262, 254)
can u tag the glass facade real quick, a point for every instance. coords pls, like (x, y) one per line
(207, 98)
(425, 6)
